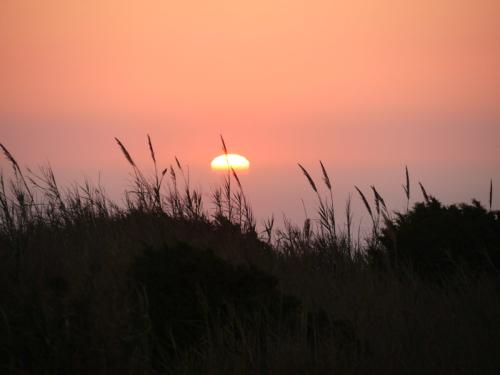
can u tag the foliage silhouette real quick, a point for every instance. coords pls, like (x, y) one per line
(437, 240)
(192, 292)
(187, 287)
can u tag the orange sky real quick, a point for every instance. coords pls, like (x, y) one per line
(364, 85)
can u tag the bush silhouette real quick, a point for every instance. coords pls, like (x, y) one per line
(189, 288)
(436, 240)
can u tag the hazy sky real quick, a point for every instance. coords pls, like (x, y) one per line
(366, 86)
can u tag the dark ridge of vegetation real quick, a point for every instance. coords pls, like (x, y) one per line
(90, 286)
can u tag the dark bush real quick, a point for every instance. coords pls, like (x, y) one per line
(437, 240)
(188, 289)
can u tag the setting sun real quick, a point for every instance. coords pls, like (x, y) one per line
(235, 161)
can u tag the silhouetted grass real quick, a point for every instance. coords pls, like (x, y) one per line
(162, 284)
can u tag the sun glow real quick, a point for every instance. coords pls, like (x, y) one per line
(235, 161)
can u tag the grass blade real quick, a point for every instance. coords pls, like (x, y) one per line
(151, 149)
(224, 148)
(309, 178)
(236, 178)
(125, 153)
(407, 186)
(424, 192)
(10, 158)
(491, 194)
(365, 201)
(378, 198)
(326, 178)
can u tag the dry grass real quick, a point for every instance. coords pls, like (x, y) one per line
(71, 305)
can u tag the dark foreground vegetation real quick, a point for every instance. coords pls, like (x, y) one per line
(162, 285)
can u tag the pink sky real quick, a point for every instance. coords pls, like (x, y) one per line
(366, 86)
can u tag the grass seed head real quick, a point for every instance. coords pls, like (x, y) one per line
(309, 178)
(326, 178)
(125, 153)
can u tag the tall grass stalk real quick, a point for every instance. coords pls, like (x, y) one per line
(71, 301)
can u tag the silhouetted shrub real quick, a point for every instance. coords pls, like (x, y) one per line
(193, 294)
(188, 289)
(437, 240)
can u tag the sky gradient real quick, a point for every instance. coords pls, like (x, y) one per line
(365, 86)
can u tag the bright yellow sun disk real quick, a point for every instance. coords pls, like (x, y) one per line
(223, 162)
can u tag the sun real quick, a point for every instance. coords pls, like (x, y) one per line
(225, 161)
